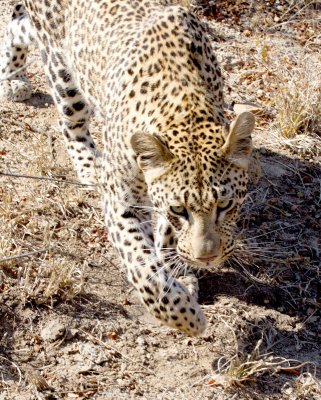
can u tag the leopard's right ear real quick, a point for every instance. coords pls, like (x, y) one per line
(153, 156)
(238, 145)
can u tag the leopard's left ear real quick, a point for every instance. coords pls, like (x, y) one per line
(153, 156)
(238, 145)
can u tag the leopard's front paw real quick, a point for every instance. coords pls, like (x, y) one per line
(15, 89)
(88, 179)
(90, 175)
(191, 284)
(176, 307)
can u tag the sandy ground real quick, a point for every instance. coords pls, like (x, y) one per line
(70, 326)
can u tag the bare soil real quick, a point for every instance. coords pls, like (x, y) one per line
(70, 327)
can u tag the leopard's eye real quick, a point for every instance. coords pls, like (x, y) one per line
(223, 205)
(179, 210)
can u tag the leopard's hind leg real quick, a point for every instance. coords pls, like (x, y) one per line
(14, 84)
(74, 113)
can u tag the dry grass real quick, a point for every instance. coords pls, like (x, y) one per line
(305, 386)
(34, 262)
(240, 369)
(298, 101)
(55, 280)
(37, 274)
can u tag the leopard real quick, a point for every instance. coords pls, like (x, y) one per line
(173, 170)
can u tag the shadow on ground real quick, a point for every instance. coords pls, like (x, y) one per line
(40, 100)
(91, 306)
(281, 226)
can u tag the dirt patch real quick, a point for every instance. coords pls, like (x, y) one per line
(71, 328)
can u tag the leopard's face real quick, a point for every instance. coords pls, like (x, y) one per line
(202, 206)
(199, 190)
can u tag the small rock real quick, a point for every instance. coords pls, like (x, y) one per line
(287, 389)
(307, 179)
(122, 383)
(54, 330)
(71, 333)
(141, 341)
(92, 355)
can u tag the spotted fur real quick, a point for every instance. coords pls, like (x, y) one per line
(148, 68)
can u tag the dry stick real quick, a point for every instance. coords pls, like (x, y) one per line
(13, 73)
(16, 366)
(292, 19)
(45, 178)
(21, 125)
(23, 255)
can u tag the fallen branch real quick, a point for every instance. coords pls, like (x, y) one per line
(16, 71)
(23, 125)
(46, 178)
(23, 255)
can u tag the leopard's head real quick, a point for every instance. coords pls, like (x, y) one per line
(198, 182)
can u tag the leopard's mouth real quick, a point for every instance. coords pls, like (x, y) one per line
(206, 263)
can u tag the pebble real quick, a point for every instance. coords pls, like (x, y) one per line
(92, 354)
(54, 330)
(141, 341)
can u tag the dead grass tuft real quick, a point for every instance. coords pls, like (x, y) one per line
(32, 265)
(55, 280)
(297, 98)
(306, 385)
(43, 281)
(298, 102)
(241, 369)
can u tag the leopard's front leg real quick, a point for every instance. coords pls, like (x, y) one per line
(164, 296)
(165, 244)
